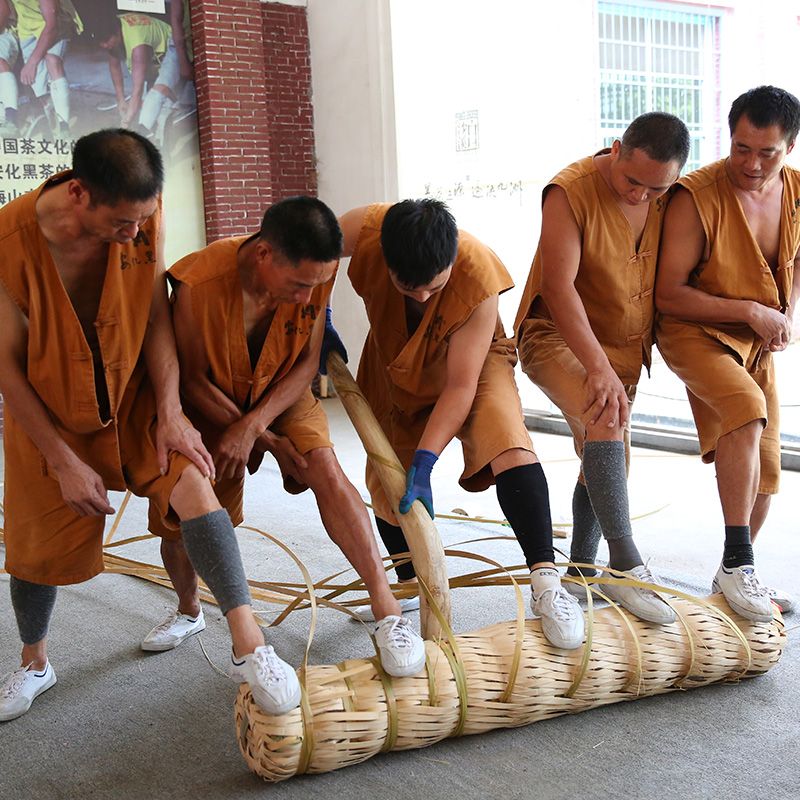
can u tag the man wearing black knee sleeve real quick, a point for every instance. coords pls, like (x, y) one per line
(437, 365)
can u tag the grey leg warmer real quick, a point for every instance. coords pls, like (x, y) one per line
(212, 548)
(33, 605)
(586, 532)
(607, 484)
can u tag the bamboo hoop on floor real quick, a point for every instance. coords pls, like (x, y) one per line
(353, 710)
(424, 542)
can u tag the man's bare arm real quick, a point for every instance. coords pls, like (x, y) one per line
(195, 383)
(351, 223)
(179, 40)
(233, 451)
(141, 57)
(466, 355)
(115, 70)
(5, 13)
(561, 244)
(781, 344)
(81, 487)
(46, 40)
(174, 430)
(683, 243)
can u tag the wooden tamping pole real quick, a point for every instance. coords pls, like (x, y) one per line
(424, 543)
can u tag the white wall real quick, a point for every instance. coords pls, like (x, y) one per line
(390, 77)
(351, 66)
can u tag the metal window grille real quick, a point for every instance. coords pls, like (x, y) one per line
(657, 59)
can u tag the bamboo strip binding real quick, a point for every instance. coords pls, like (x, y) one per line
(351, 711)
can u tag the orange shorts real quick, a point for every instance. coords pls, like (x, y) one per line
(726, 392)
(494, 424)
(46, 542)
(304, 423)
(547, 360)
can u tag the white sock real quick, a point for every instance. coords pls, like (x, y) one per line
(543, 578)
(163, 116)
(151, 106)
(9, 93)
(59, 93)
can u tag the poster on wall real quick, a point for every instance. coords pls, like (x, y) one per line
(69, 67)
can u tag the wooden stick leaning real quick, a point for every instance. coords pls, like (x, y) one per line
(424, 542)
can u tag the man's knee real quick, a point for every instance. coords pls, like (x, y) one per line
(55, 66)
(193, 495)
(323, 468)
(515, 457)
(745, 436)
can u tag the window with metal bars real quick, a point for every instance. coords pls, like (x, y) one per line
(656, 58)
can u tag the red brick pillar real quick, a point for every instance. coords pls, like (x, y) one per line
(291, 118)
(232, 114)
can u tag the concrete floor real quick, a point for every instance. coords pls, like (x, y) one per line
(124, 724)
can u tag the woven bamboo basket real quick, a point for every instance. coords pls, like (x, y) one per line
(502, 676)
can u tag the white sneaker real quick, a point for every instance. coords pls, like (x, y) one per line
(401, 647)
(406, 604)
(782, 599)
(272, 681)
(745, 593)
(172, 631)
(21, 687)
(577, 590)
(643, 603)
(562, 618)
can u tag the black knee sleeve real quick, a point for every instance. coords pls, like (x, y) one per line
(395, 542)
(525, 500)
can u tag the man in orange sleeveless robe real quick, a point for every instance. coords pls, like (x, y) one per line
(726, 293)
(89, 378)
(436, 365)
(249, 320)
(585, 328)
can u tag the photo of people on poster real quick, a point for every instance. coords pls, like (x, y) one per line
(69, 67)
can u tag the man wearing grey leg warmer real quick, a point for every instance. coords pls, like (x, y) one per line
(605, 472)
(211, 545)
(585, 325)
(33, 605)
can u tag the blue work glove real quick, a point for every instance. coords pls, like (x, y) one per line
(418, 481)
(330, 341)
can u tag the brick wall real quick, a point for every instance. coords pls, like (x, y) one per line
(253, 77)
(289, 110)
(232, 114)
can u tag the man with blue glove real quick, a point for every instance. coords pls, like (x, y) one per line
(436, 365)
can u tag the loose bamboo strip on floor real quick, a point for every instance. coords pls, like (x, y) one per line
(353, 710)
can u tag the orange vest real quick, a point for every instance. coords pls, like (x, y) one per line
(60, 366)
(736, 267)
(213, 276)
(413, 370)
(615, 280)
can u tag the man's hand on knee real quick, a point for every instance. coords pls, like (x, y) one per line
(179, 434)
(606, 396)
